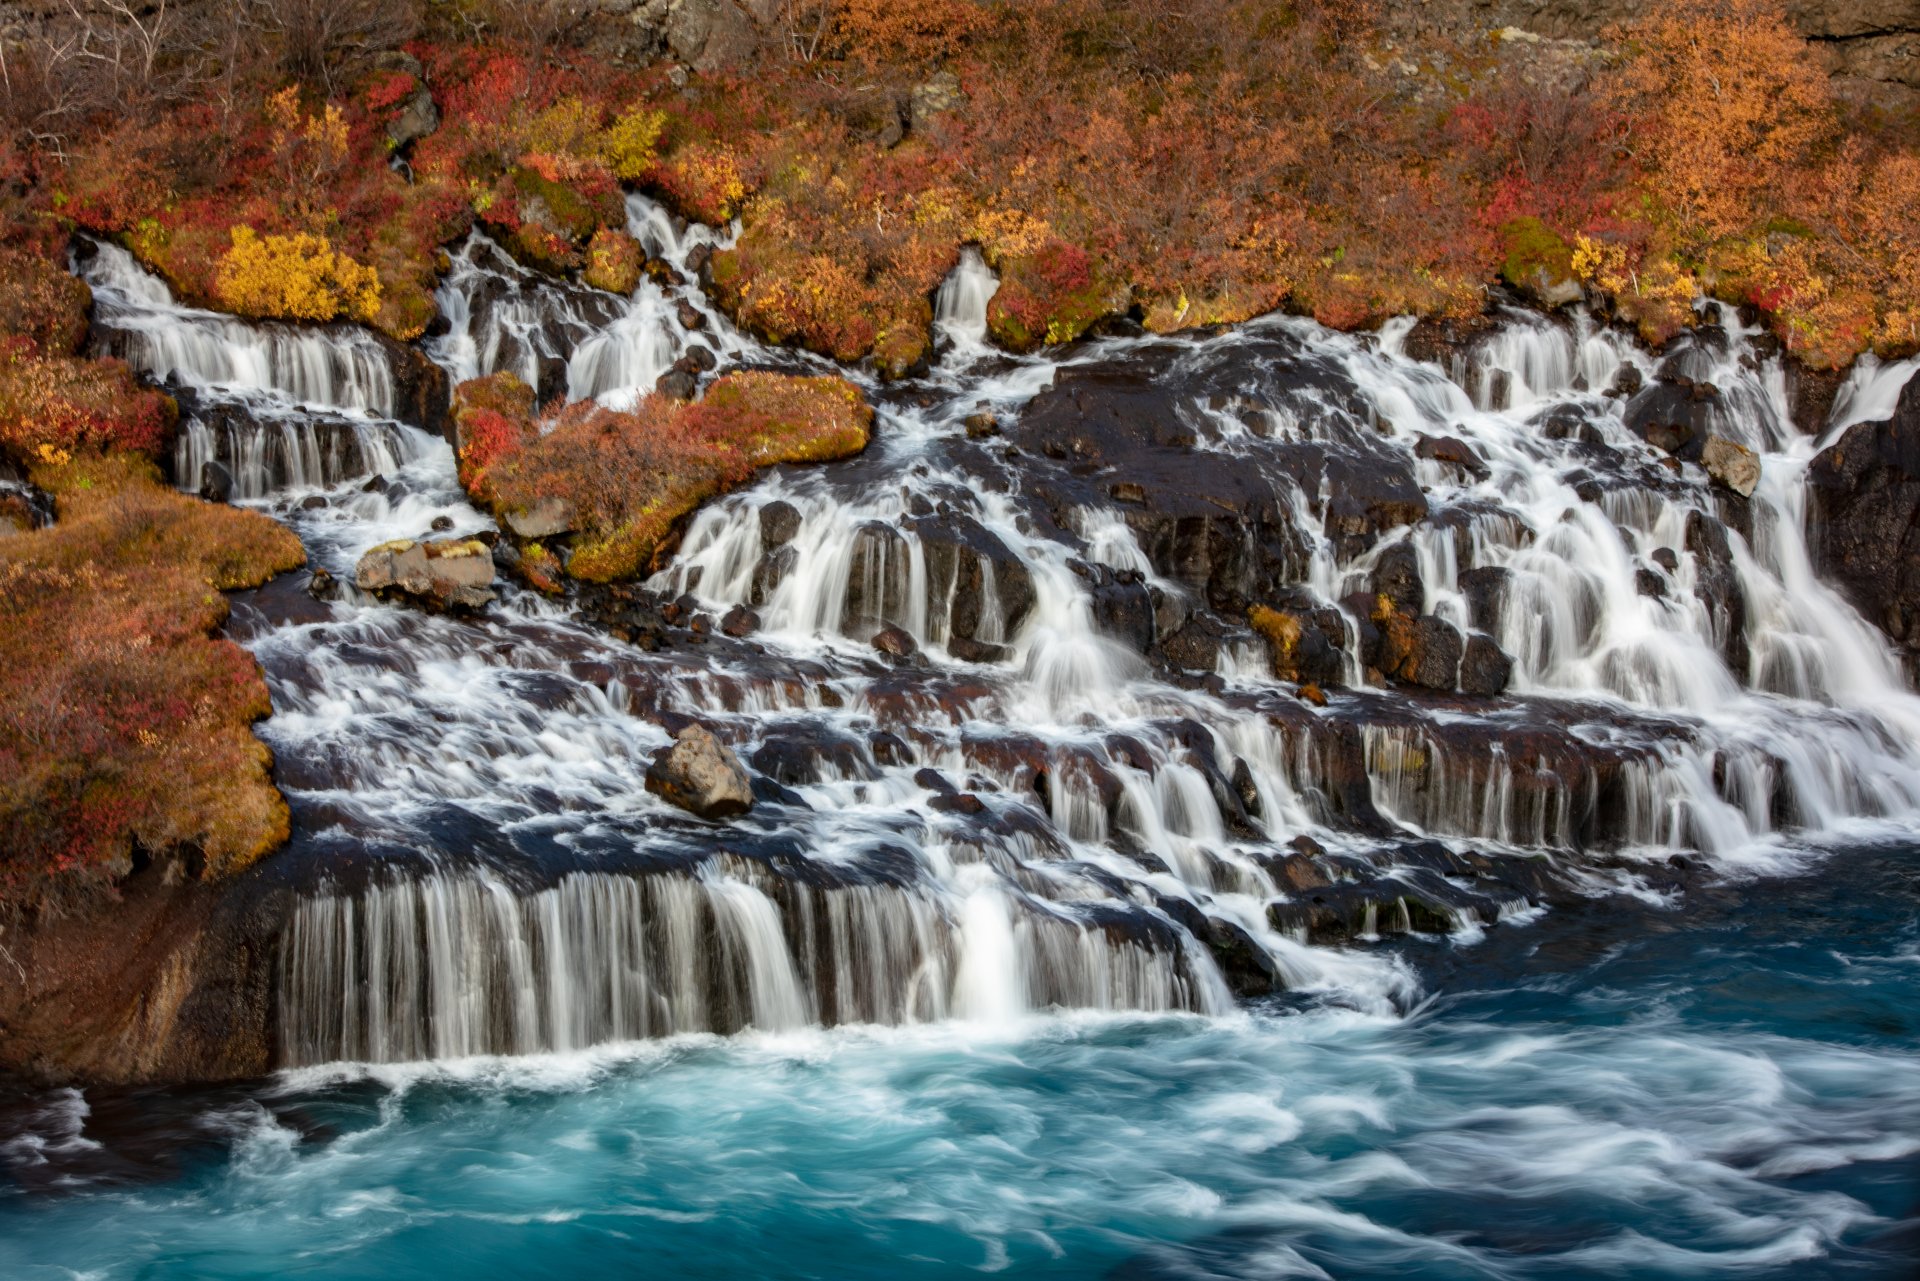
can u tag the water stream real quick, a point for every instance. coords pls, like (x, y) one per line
(1060, 808)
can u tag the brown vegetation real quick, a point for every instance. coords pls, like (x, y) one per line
(124, 728)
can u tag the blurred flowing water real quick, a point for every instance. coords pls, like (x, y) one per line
(1614, 975)
(1615, 1091)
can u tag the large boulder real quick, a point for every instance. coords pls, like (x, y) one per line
(710, 34)
(441, 574)
(701, 775)
(1732, 464)
(1864, 517)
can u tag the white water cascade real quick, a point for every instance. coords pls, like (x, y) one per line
(960, 306)
(1085, 787)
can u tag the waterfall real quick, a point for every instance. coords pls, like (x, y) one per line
(338, 367)
(960, 306)
(448, 966)
(1085, 788)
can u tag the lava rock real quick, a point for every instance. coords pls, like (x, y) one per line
(701, 775)
(690, 317)
(779, 522)
(1485, 668)
(697, 359)
(216, 482)
(740, 621)
(1864, 496)
(677, 384)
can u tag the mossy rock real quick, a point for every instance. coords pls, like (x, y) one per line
(1538, 262)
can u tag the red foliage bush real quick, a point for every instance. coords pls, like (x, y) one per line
(62, 404)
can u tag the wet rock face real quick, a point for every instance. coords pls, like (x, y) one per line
(1864, 518)
(216, 482)
(701, 775)
(990, 589)
(440, 574)
(1136, 442)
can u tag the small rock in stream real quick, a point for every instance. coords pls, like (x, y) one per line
(701, 775)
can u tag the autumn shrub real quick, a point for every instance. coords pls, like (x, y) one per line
(630, 477)
(42, 303)
(297, 277)
(123, 725)
(65, 404)
(492, 421)
(613, 261)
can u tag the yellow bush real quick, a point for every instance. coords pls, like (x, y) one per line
(297, 277)
(630, 142)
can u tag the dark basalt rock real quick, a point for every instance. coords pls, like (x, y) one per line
(1485, 668)
(1486, 589)
(216, 482)
(767, 575)
(779, 522)
(1864, 518)
(1717, 584)
(895, 642)
(1207, 519)
(1307, 645)
(1195, 647)
(1454, 452)
(973, 576)
(1396, 579)
(677, 384)
(1669, 417)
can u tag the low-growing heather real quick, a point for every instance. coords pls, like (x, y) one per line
(629, 478)
(124, 726)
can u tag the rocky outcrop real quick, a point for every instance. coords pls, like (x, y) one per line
(439, 574)
(1870, 47)
(701, 775)
(1864, 519)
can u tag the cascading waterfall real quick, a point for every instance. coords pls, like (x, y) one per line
(960, 306)
(1063, 799)
(338, 367)
(449, 966)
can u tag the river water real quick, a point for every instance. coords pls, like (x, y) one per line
(1077, 944)
(1618, 1091)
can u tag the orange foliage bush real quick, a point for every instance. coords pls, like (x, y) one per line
(629, 478)
(122, 724)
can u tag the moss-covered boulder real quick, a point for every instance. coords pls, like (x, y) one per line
(627, 479)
